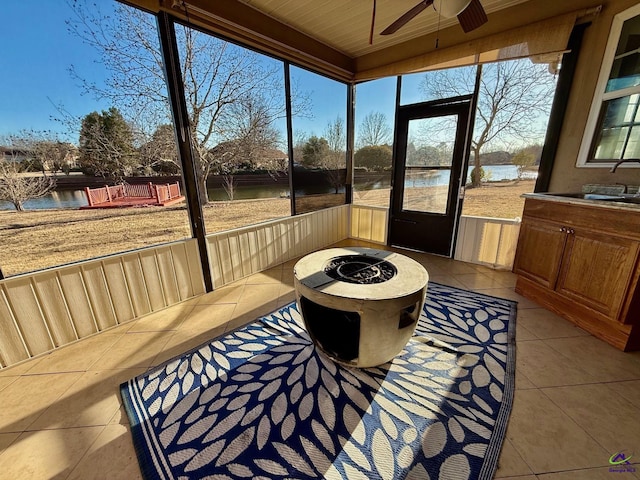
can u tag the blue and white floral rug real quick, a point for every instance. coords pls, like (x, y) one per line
(262, 403)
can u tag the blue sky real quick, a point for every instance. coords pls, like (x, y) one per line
(36, 52)
(39, 50)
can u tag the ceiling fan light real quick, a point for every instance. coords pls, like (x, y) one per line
(451, 8)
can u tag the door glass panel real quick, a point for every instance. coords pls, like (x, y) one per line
(428, 164)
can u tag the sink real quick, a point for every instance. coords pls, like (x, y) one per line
(607, 198)
(622, 197)
(632, 199)
(589, 196)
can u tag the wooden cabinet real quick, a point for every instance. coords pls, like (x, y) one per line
(540, 248)
(582, 263)
(596, 270)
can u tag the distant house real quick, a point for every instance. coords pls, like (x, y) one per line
(273, 159)
(53, 155)
(16, 155)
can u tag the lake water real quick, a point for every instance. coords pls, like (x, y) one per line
(494, 173)
(76, 198)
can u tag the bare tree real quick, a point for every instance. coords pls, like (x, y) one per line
(374, 130)
(299, 144)
(336, 135)
(249, 134)
(158, 154)
(334, 160)
(217, 75)
(513, 98)
(17, 188)
(229, 185)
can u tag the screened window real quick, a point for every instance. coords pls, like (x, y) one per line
(320, 142)
(375, 118)
(235, 99)
(614, 116)
(84, 107)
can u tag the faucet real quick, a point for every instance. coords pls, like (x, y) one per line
(617, 164)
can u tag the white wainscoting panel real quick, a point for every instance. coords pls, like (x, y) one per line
(237, 253)
(487, 241)
(369, 223)
(44, 310)
(47, 309)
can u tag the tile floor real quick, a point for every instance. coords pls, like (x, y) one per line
(577, 400)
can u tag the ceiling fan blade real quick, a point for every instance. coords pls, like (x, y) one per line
(404, 19)
(373, 23)
(472, 17)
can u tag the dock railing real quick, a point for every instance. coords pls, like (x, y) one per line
(109, 194)
(167, 192)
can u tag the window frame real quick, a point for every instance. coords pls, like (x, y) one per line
(601, 96)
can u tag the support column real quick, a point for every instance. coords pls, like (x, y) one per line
(351, 113)
(175, 87)
(287, 91)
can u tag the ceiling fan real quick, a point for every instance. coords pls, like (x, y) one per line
(470, 14)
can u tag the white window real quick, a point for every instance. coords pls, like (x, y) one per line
(613, 128)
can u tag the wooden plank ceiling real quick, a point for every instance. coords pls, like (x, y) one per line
(345, 25)
(332, 36)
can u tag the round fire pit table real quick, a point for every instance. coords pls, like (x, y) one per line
(360, 305)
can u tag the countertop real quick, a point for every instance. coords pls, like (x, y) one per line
(574, 199)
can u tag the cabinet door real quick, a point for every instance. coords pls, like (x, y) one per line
(539, 253)
(595, 269)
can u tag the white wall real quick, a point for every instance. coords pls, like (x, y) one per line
(485, 241)
(234, 254)
(50, 308)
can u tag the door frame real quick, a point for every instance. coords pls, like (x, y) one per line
(464, 107)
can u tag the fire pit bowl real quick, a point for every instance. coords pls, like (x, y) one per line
(360, 305)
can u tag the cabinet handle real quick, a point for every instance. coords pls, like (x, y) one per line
(563, 229)
(571, 231)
